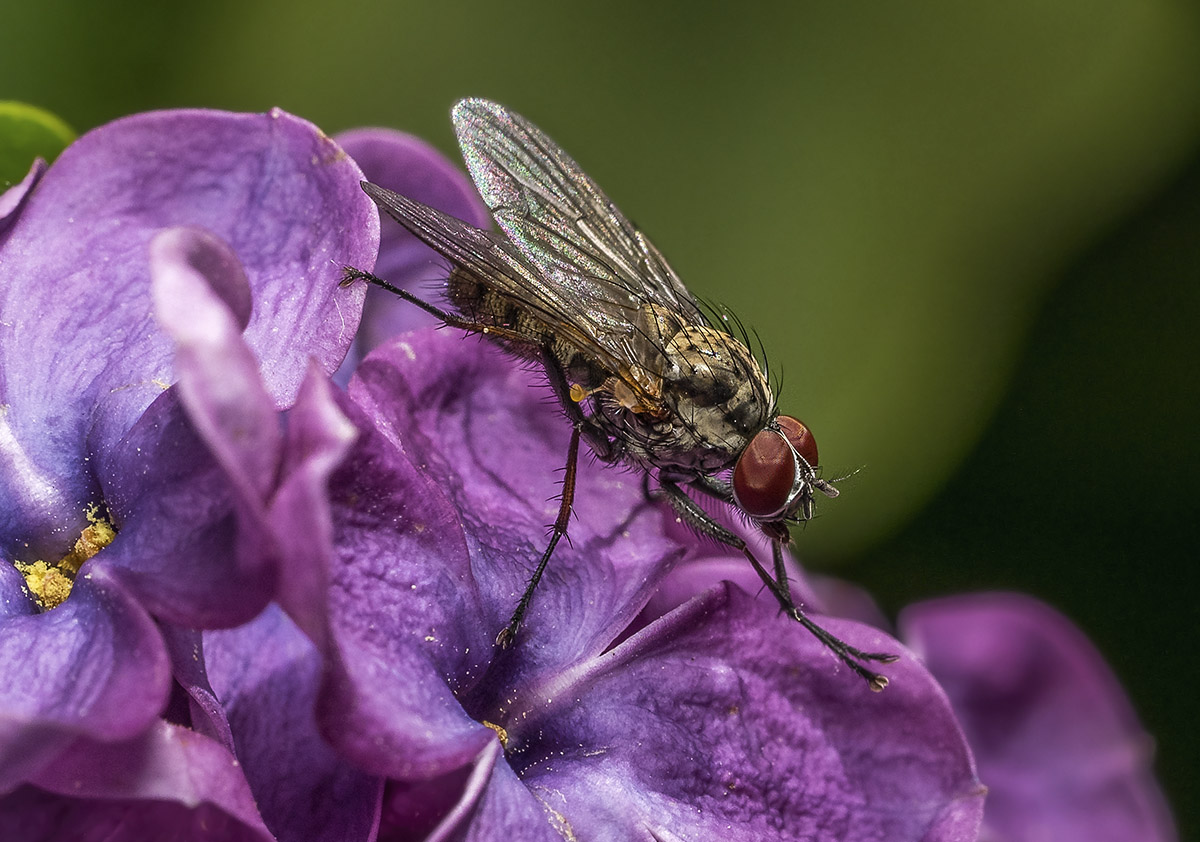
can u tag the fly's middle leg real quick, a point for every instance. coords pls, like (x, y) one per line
(580, 428)
(700, 520)
(509, 633)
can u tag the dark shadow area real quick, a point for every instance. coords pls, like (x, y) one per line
(1085, 489)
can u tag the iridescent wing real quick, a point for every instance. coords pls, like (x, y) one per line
(492, 260)
(602, 270)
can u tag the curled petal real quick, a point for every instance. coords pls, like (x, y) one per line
(233, 523)
(167, 783)
(195, 276)
(318, 438)
(180, 260)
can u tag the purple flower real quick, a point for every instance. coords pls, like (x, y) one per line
(717, 714)
(716, 718)
(1057, 743)
(133, 511)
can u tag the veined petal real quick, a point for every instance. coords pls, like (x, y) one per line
(95, 667)
(720, 722)
(283, 196)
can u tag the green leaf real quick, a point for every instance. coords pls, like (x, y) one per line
(27, 132)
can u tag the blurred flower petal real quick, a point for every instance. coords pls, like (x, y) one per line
(1057, 743)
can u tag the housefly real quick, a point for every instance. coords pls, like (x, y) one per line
(647, 377)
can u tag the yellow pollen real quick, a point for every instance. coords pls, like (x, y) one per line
(500, 732)
(50, 584)
(92, 540)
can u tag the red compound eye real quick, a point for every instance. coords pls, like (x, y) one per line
(764, 476)
(766, 471)
(801, 438)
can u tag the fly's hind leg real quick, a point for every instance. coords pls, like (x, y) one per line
(701, 521)
(350, 275)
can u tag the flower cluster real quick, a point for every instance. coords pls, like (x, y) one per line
(242, 602)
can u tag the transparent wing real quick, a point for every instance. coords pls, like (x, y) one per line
(495, 262)
(568, 229)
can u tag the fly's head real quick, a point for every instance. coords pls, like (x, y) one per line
(717, 392)
(775, 476)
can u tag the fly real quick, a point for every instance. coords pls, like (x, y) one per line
(645, 375)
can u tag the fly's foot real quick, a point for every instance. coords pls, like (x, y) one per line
(508, 635)
(350, 275)
(849, 655)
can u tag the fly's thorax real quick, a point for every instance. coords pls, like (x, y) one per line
(716, 388)
(697, 413)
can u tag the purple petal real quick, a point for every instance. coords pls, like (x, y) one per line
(267, 674)
(489, 434)
(168, 783)
(282, 195)
(224, 573)
(442, 513)
(191, 550)
(205, 713)
(93, 667)
(185, 257)
(318, 439)
(1058, 745)
(32, 815)
(13, 199)
(496, 805)
(415, 169)
(219, 380)
(403, 629)
(723, 721)
(14, 597)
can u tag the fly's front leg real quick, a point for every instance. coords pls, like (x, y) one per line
(702, 522)
(714, 487)
(850, 655)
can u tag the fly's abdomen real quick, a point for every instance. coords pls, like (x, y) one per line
(482, 303)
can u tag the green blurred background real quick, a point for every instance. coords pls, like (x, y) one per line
(968, 234)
